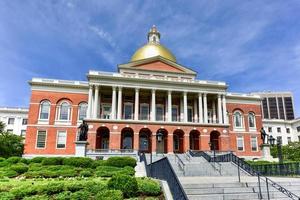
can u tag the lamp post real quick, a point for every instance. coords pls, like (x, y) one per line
(279, 147)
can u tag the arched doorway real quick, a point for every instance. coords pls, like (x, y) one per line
(145, 140)
(102, 138)
(194, 140)
(162, 141)
(178, 141)
(214, 141)
(127, 138)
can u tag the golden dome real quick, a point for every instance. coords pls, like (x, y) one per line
(153, 48)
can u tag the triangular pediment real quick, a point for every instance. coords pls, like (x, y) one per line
(157, 64)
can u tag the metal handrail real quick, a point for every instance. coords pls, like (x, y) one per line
(209, 159)
(248, 168)
(180, 163)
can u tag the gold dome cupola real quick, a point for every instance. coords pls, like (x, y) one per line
(153, 48)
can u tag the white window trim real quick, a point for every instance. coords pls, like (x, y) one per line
(103, 105)
(58, 110)
(163, 111)
(44, 121)
(242, 127)
(255, 142)
(65, 138)
(190, 107)
(140, 114)
(78, 114)
(36, 139)
(128, 104)
(177, 113)
(237, 139)
(252, 128)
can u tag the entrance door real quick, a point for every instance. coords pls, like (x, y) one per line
(144, 143)
(160, 146)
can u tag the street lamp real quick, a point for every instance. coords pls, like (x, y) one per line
(159, 136)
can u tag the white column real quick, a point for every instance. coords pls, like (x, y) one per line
(113, 103)
(185, 114)
(205, 107)
(90, 101)
(119, 116)
(153, 103)
(181, 109)
(200, 106)
(195, 110)
(214, 111)
(96, 102)
(220, 118)
(225, 120)
(169, 106)
(136, 104)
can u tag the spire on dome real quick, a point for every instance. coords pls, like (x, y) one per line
(153, 35)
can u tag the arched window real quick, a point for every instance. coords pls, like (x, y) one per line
(82, 110)
(238, 119)
(44, 110)
(64, 110)
(251, 120)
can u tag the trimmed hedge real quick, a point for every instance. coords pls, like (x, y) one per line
(52, 161)
(37, 159)
(20, 168)
(13, 159)
(110, 195)
(148, 187)
(78, 162)
(121, 161)
(127, 184)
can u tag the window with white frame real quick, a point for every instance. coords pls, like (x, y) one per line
(160, 112)
(278, 129)
(289, 139)
(190, 114)
(11, 120)
(254, 143)
(288, 130)
(23, 133)
(128, 110)
(44, 110)
(174, 113)
(61, 139)
(240, 143)
(64, 111)
(270, 129)
(82, 111)
(24, 121)
(144, 111)
(10, 130)
(41, 139)
(251, 120)
(106, 111)
(238, 119)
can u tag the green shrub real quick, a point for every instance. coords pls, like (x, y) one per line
(107, 171)
(37, 197)
(127, 184)
(51, 188)
(80, 195)
(121, 161)
(128, 171)
(78, 162)
(52, 161)
(51, 174)
(66, 195)
(86, 173)
(98, 163)
(8, 173)
(36, 167)
(74, 186)
(7, 196)
(109, 195)
(20, 168)
(4, 163)
(2, 159)
(24, 160)
(23, 191)
(148, 187)
(37, 159)
(94, 187)
(13, 159)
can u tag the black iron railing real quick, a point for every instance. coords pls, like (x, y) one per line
(162, 169)
(213, 162)
(286, 169)
(180, 163)
(249, 169)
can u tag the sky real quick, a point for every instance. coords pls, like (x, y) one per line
(252, 45)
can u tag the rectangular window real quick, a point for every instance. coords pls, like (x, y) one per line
(11, 120)
(159, 112)
(288, 130)
(273, 108)
(24, 121)
(270, 129)
(10, 130)
(106, 111)
(278, 130)
(190, 114)
(41, 139)
(298, 129)
(265, 108)
(128, 110)
(289, 139)
(240, 143)
(174, 113)
(279, 138)
(254, 143)
(289, 109)
(144, 112)
(61, 139)
(23, 133)
(299, 138)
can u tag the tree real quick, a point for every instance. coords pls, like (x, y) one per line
(290, 151)
(10, 144)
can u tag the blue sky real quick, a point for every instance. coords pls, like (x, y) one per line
(252, 45)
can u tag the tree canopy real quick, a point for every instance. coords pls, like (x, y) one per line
(290, 151)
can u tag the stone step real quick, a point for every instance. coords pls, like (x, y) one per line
(204, 191)
(244, 196)
(214, 185)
